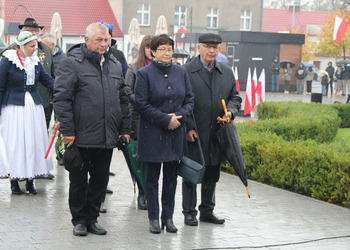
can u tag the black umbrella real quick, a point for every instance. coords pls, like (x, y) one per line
(345, 62)
(180, 53)
(283, 63)
(228, 140)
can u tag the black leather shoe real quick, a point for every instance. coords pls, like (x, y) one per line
(108, 191)
(191, 220)
(142, 202)
(111, 174)
(80, 230)
(154, 227)
(95, 228)
(169, 224)
(30, 187)
(212, 218)
(103, 208)
(15, 188)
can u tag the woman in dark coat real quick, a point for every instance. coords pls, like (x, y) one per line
(143, 59)
(164, 100)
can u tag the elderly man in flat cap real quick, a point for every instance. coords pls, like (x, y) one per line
(211, 81)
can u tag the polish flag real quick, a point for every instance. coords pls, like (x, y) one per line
(260, 89)
(254, 87)
(340, 26)
(236, 78)
(248, 95)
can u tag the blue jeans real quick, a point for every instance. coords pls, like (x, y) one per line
(324, 89)
(275, 81)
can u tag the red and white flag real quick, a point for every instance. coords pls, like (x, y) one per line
(340, 26)
(254, 86)
(260, 89)
(236, 78)
(248, 95)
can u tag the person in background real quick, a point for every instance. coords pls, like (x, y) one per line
(164, 99)
(324, 83)
(309, 77)
(93, 109)
(275, 71)
(346, 79)
(330, 71)
(58, 55)
(211, 81)
(338, 79)
(287, 76)
(144, 58)
(23, 123)
(300, 74)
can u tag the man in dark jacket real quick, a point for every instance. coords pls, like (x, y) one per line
(275, 72)
(92, 107)
(330, 71)
(57, 52)
(211, 81)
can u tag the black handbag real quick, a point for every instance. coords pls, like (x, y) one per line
(189, 169)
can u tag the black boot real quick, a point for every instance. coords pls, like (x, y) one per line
(30, 186)
(141, 200)
(15, 187)
(169, 224)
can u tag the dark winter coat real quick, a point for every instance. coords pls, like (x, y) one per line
(330, 71)
(91, 104)
(300, 72)
(161, 90)
(275, 68)
(208, 106)
(57, 57)
(130, 80)
(324, 80)
(346, 72)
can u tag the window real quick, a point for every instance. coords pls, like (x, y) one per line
(212, 18)
(246, 20)
(143, 14)
(180, 16)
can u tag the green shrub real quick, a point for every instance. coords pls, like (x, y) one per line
(291, 147)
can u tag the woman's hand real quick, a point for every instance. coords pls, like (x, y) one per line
(174, 122)
(191, 135)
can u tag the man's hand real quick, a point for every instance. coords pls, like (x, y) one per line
(225, 118)
(191, 135)
(126, 136)
(68, 140)
(174, 122)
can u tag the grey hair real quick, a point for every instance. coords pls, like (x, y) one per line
(50, 37)
(90, 29)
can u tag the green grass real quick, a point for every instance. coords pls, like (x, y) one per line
(343, 135)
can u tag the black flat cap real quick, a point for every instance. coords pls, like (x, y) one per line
(209, 38)
(30, 22)
(72, 159)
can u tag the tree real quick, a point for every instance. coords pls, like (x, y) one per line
(314, 5)
(308, 51)
(326, 46)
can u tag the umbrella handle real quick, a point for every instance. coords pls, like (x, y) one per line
(225, 109)
(248, 191)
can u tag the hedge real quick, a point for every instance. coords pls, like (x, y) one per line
(291, 147)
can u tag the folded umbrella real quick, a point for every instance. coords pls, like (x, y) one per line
(228, 141)
(137, 166)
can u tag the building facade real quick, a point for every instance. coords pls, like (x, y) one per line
(195, 16)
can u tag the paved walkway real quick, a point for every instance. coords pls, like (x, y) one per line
(272, 218)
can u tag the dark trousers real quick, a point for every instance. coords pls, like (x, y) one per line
(189, 193)
(48, 114)
(308, 86)
(86, 192)
(168, 191)
(330, 84)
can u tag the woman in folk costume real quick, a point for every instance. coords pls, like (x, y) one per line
(23, 126)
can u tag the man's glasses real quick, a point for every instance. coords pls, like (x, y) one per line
(206, 46)
(170, 51)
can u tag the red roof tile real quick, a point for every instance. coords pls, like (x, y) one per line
(275, 20)
(76, 15)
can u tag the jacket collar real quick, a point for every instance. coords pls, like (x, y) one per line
(197, 65)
